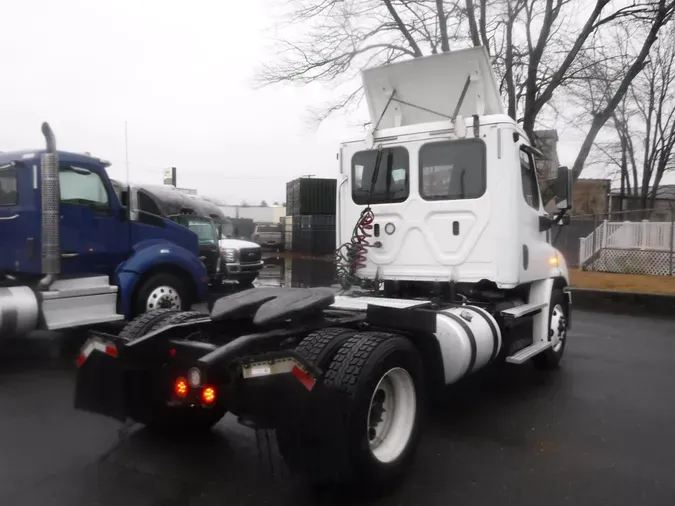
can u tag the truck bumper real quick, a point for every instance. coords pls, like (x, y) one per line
(273, 390)
(237, 270)
(270, 245)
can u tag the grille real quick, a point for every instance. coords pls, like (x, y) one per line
(250, 255)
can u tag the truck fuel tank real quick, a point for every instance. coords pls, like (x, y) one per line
(469, 337)
(18, 311)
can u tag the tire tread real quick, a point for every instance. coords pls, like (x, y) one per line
(143, 323)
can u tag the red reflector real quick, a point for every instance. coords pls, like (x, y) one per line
(172, 352)
(181, 387)
(80, 360)
(111, 350)
(209, 395)
(304, 378)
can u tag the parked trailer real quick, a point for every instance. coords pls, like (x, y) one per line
(449, 270)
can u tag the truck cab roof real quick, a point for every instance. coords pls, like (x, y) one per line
(64, 156)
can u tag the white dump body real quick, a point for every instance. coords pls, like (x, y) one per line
(452, 205)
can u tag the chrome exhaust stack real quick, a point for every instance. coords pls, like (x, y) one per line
(51, 211)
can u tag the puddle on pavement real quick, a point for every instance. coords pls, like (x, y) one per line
(285, 270)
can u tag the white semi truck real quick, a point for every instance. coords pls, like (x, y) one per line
(447, 267)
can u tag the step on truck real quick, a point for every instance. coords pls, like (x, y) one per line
(72, 255)
(447, 267)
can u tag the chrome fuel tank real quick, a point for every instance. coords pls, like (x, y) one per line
(18, 311)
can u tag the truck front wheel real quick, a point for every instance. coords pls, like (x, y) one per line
(162, 291)
(557, 320)
(368, 415)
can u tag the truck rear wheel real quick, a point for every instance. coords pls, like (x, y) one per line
(369, 409)
(320, 346)
(162, 291)
(142, 324)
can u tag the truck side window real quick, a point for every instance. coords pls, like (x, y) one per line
(8, 186)
(82, 187)
(147, 204)
(528, 175)
(452, 170)
(387, 188)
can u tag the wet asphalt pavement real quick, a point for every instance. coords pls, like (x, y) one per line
(599, 431)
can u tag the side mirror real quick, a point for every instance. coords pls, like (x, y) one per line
(563, 189)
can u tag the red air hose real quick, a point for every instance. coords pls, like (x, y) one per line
(352, 256)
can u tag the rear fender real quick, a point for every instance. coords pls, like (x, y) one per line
(120, 379)
(275, 390)
(152, 255)
(99, 385)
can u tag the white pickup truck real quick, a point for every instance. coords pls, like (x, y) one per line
(242, 259)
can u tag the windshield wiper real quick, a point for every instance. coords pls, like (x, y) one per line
(390, 165)
(376, 173)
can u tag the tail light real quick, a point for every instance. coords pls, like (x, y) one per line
(180, 388)
(209, 395)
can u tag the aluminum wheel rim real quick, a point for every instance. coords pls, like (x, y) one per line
(163, 297)
(558, 327)
(391, 415)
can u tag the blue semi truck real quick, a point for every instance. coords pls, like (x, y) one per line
(72, 254)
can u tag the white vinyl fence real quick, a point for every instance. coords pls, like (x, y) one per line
(642, 247)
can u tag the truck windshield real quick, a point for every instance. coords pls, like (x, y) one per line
(452, 170)
(205, 230)
(391, 181)
(227, 230)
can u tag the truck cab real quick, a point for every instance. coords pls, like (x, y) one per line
(209, 250)
(89, 233)
(451, 181)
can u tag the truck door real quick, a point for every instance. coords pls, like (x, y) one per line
(94, 228)
(534, 244)
(19, 218)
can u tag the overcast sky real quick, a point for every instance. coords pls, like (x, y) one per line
(180, 73)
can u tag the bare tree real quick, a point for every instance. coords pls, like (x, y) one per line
(537, 46)
(644, 120)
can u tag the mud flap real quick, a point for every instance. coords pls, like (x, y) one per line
(99, 386)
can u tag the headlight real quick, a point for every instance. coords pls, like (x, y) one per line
(230, 254)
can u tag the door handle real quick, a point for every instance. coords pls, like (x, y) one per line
(7, 218)
(69, 255)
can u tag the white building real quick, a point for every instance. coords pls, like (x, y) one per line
(259, 214)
